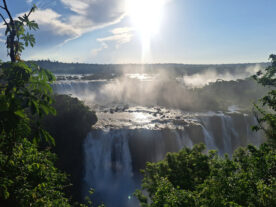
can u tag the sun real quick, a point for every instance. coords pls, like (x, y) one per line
(146, 17)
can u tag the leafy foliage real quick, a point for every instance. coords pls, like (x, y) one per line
(28, 176)
(25, 89)
(192, 178)
(17, 33)
(266, 110)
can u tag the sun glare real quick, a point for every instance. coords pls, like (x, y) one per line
(146, 17)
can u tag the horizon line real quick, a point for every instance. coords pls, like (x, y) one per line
(165, 63)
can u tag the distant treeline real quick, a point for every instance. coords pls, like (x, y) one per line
(117, 69)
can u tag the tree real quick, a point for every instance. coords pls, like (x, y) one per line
(266, 111)
(27, 176)
(17, 36)
(192, 178)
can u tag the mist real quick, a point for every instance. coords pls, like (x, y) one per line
(199, 80)
(198, 91)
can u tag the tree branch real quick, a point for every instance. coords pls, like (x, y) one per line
(30, 12)
(8, 12)
(2, 7)
(3, 19)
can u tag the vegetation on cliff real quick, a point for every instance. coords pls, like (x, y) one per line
(193, 178)
(70, 125)
(266, 109)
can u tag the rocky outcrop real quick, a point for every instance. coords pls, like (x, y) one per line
(69, 127)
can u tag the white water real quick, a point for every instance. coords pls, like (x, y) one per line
(126, 137)
(114, 157)
(109, 168)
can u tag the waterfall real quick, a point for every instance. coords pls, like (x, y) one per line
(109, 168)
(131, 132)
(113, 157)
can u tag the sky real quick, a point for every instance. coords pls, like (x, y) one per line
(150, 31)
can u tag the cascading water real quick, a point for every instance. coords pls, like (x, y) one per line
(129, 134)
(109, 167)
(114, 157)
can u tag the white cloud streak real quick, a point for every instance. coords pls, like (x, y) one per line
(50, 21)
(121, 35)
(85, 16)
(73, 18)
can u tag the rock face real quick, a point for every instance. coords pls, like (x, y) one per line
(114, 155)
(69, 128)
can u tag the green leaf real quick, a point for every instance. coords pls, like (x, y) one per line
(20, 113)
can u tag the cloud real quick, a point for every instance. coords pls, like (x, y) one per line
(97, 11)
(72, 18)
(2, 31)
(52, 27)
(76, 5)
(94, 14)
(61, 21)
(121, 35)
(50, 21)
